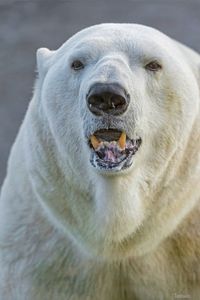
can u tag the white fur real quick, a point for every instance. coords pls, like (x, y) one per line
(70, 232)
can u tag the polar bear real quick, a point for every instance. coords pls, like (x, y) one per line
(101, 197)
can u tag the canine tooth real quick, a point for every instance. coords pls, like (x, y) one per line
(94, 141)
(122, 140)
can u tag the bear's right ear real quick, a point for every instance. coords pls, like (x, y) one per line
(43, 60)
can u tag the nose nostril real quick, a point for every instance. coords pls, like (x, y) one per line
(117, 101)
(109, 99)
(96, 100)
(92, 100)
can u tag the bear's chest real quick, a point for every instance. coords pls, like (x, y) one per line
(114, 282)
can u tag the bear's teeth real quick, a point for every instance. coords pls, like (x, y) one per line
(122, 141)
(95, 142)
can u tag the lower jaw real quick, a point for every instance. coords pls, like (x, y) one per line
(110, 168)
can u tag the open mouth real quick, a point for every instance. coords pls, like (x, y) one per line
(112, 149)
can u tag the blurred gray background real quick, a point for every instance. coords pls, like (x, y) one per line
(27, 25)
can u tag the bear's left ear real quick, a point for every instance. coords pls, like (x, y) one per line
(43, 60)
(192, 58)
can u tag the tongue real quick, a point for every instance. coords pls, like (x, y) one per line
(110, 152)
(109, 156)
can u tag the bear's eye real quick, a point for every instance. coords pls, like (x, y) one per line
(153, 66)
(77, 65)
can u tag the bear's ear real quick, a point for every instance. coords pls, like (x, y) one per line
(43, 60)
(192, 58)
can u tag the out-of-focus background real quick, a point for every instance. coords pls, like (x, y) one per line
(26, 25)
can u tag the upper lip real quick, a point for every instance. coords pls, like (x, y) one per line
(107, 134)
(107, 128)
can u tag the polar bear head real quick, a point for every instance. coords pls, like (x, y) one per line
(116, 100)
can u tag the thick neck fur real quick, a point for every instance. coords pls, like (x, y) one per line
(110, 220)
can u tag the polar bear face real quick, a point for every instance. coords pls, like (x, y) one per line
(117, 100)
(120, 85)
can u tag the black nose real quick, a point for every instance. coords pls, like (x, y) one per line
(107, 98)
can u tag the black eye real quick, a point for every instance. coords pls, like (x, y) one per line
(77, 65)
(153, 66)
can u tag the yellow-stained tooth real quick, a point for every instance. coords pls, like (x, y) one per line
(94, 141)
(122, 140)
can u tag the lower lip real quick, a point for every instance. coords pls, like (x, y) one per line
(125, 164)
